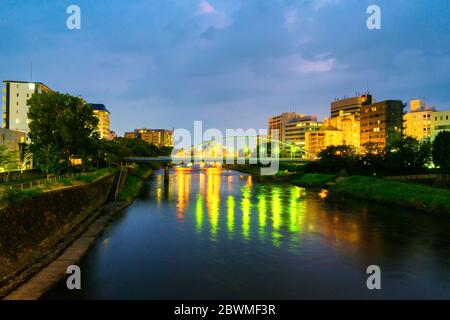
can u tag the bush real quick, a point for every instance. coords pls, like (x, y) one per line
(18, 195)
(441, 151)
(314, 180)
(130, 189)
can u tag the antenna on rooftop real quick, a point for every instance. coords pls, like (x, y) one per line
(31, 71)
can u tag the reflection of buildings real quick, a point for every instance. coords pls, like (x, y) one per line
(275, 213)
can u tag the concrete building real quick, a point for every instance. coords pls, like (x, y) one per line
(349, 124)
(158, 137)
(381, 122)
(295, 129)
(14, 103)
(12, 139)
(416, 105)
(130, 135)
(279, 123)
(316, 141)
(417, 123)
(104, 123)
(440, 121)
(351, 105)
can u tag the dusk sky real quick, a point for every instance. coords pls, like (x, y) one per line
(230, 63)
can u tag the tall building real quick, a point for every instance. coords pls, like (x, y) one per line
(417, 123)
(14, 103)
(349, 124)
(157, 137)
(440, 121)
(295, 129)
(381, 122)
(350, 106)
(316, 141)
(104, 124)
(279, 123)
(130, 135)
(416, 105)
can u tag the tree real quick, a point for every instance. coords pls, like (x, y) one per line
(441, 151)
(407, 155)
(7, 157)
(336, 158)
(64, 126)
(372, 159)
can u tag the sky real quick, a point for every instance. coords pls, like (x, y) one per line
(229, 63)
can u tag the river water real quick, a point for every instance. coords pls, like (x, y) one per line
(216, 234)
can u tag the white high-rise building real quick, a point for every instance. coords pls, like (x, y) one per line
(14, 103)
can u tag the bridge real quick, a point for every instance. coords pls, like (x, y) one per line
(221, 151)
(238, 160)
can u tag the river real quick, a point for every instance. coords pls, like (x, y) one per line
(217, 234)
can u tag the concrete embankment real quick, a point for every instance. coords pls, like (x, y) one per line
(51, 268)
(33, 231)
(46, 278)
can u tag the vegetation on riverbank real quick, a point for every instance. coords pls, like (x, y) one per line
(313, 180)
(17, 195)
(134, 182)
(396, 193)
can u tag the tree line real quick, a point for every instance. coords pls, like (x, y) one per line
(405, 156)
(64, 137)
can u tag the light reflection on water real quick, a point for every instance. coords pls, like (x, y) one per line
(218, 234)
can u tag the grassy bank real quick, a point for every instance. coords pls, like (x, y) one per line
(313, 180)
(17, 195)
(413, 196)
(133, 183)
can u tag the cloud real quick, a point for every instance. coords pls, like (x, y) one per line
(290, 18)
(319, 4)
(213, 17)
(299, 65)
(204, 7)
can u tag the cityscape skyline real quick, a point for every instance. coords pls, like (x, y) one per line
(141, 74)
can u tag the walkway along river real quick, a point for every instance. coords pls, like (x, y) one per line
(216, 234)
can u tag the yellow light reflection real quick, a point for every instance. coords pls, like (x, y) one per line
(230, 214)
(213, 199)
(276, 216)
(246, 206)
(262, 214)
(199, 213)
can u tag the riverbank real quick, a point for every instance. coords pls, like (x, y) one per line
(31, 283)
(408, 195)
(402, 194)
